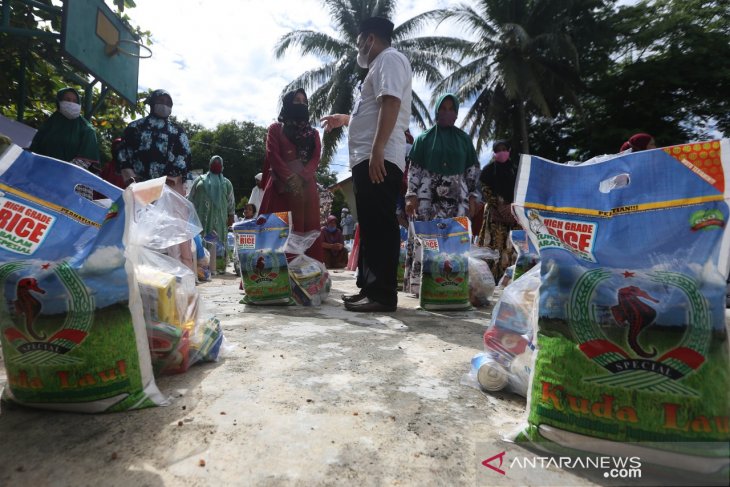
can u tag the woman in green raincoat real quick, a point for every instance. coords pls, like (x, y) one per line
(212, 196)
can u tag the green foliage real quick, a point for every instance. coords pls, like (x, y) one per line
(46, 71)
(332, 87)
(240, 144)
(338, 202)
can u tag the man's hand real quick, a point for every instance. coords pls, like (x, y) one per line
(377, 166)
(334, 121)
(411, 205)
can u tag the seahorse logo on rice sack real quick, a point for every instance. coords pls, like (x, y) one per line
(22, 228)
(263, 266)
(706, 220)
(633, 310)
(35, 347)
(448, 269)
(574, 236)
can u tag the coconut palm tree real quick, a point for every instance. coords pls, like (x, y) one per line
(520, 62)
(333, 85)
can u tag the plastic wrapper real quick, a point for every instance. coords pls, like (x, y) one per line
(309, 279)
(632, 338)
(260, 246)
(71, 323)
(527, 255)
(481, 280)
(508, 342)
(444, 264)
(170, 302)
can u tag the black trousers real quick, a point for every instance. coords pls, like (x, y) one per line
(377, 263)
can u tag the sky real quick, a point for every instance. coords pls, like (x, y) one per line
(216, 57)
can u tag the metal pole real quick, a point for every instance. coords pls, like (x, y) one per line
(89, 98)
(22, 88)
(100, 102)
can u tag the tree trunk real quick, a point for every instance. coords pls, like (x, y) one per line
(523, 127)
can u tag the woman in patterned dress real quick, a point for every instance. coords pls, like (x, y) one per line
(498, 178)
(442, 177)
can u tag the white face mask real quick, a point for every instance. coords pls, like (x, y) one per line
(162, 111)
(69, 109)
(362, 58)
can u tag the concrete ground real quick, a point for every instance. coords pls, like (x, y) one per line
(307, 396)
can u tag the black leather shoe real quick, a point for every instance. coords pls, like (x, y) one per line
(367, 306)
(353, 298)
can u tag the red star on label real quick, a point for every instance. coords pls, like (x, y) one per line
(628, 274)
(45, 266)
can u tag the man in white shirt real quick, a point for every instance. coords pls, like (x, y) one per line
(377, 159)
(257, 193)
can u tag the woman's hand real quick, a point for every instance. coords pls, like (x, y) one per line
(295, 184)
(411, 205)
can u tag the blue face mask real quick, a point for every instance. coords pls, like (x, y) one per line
(331, 229)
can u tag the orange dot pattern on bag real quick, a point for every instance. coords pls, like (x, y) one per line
(703, 158)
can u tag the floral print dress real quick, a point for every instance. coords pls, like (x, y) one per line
(439, 196)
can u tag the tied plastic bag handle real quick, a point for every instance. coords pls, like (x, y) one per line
(298, 243)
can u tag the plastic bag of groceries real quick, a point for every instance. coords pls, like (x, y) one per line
(632, 339)
(309, 279)
(481, 280)
(444, 264)
(260, 246)
(171, 304)
(70, 339)
(508, 342)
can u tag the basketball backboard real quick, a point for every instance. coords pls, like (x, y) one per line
(95, 38)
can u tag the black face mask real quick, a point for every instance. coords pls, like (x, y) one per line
(299, 112)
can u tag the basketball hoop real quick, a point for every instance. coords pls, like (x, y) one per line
(114, 49)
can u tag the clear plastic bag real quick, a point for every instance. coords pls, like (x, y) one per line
(169, 300)
(508, 342)
(481, 280)
(310, 281)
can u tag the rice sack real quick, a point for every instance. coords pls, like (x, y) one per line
(260, 246)
(67, 334)
(632, 341)
(444, 269)
(402, 254)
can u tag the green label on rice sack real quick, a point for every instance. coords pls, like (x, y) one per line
(444, 266)
(67, 334)
(84, 354)
(260, 246)
(632, 340)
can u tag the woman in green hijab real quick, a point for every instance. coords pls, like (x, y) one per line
(212, 197)
(66, 135)
(443, 177)
(444, 172)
